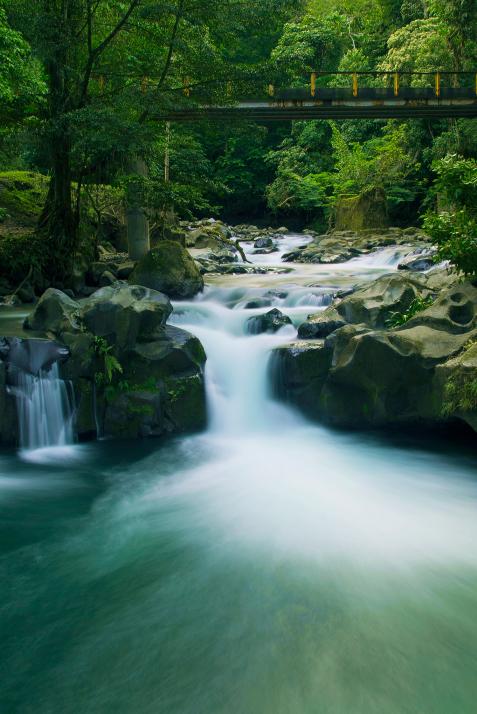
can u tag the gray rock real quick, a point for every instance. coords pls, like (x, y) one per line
(271, 321)
(168, 268)
(124, 270)
(319, 329)
(264, 242)
(126, 314)
(362, 375)
(54, 313)
(372, 305)
(107, 278)
(419, 260)
(257, 303)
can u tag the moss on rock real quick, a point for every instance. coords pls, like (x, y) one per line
(169, 269)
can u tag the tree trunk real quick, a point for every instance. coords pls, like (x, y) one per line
(137, 221)
(58, 221)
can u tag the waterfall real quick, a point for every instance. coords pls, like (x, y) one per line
(44, 406)
(44, 401)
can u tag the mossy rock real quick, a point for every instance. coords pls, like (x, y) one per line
(22, 195)
(186, 403)
(169, 269)
(368, 210)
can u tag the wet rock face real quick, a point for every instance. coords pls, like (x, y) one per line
(364, 374)
(157, 385)
(271, 321)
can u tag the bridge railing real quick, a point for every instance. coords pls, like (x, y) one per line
(364, 85)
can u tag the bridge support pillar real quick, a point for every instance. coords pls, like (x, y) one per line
(136, 216)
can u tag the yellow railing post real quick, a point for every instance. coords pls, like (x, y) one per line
(271, 90)
(229, 88)
(313, 84)
(396, 84)
(476, 83)
(185, 84)
(355, 84)
(438, 84)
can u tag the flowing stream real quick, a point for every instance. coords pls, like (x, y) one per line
(267, 566)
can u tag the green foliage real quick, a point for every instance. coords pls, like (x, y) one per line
(21, 252)
(110, 367)
(455, 235)
(454, 230)
(20, 78)
(397, 319)
(79, 95)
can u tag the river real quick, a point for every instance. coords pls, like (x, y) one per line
(266, 566)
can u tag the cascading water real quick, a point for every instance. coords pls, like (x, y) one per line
(266, 566)
(45, 414)
(44, 401)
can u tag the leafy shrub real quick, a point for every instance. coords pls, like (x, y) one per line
(110, 365)
(454, 230)
(455, 235)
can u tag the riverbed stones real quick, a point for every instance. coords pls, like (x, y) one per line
(168, 268)
(271, 321)
(340, 246)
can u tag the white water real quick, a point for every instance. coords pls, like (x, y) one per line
(45, 413)
(284, 244)
(281, 483)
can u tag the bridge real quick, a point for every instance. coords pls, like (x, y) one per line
(392, 95)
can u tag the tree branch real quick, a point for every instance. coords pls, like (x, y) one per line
(99, 49)
(170, 52)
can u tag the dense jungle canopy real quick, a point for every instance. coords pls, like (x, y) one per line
(82, 80)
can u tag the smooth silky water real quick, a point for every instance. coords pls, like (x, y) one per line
(267, 566)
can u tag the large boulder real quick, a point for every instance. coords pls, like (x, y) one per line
(264, 242)
(54, 313)
(168, 268)
(165, 390)
(383, 378)
(372, 305)
(298, 373)
(126, 314)
(362, 374)
(133, 375)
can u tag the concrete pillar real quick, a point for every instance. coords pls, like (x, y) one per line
(136, 216)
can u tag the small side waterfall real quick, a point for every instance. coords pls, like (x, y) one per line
(44, 405)
(44, 401)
